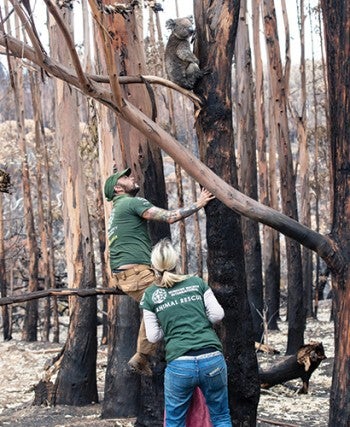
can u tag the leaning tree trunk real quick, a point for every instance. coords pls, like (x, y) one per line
(216, 30)
(336, 15)
(76, 380)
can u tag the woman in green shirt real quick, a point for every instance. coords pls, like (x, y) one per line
(181, 309)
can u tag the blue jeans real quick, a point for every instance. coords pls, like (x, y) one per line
(182, 375)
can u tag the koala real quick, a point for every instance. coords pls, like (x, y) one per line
(181, 64)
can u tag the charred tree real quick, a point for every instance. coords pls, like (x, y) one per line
(146, 162)
(216, 26)
(76, 380)
(336, 16)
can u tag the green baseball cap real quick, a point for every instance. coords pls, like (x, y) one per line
(112, 181)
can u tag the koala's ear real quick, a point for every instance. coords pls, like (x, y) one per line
(190, 18)
(170, 24)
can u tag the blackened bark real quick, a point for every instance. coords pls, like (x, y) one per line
(76, 380)
(336, 15)
(272, 285)
(216, 30)
(155, 192)
(121, 385)
(146, 163)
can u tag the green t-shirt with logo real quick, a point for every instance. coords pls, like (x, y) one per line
(129, 241)
(182, 316)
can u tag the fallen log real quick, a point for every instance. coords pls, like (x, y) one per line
(300, 365)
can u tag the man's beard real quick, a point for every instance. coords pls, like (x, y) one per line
(131, 191)
(134, 191)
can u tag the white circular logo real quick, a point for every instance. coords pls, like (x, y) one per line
(159, 296)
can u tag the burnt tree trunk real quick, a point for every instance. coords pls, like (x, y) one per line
(120, 380)
(216, 26)
(336, 15)
(76, 380)
(127, 395)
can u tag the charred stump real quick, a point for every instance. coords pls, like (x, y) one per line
(44, 393)
(300, 365)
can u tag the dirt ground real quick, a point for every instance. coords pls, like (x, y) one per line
(21, 367)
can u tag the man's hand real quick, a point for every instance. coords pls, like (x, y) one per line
(204, 198)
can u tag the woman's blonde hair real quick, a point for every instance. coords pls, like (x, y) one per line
(164, 260)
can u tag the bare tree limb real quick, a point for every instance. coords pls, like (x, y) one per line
(59, 293)
(28, 27)
(84, 81)
(153, 80)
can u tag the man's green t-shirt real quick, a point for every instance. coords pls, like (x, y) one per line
(129, 241)
(182, 316)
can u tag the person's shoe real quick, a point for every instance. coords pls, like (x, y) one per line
(139, 363)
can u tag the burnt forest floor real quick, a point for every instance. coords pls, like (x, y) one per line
(21, 367)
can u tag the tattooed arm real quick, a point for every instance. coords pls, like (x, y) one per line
(159, 214)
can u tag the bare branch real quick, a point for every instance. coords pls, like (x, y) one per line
(28, 27)
(153, 80)
(84, 81)
(59, 293)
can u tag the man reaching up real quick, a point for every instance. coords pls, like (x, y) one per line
(130, 246)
